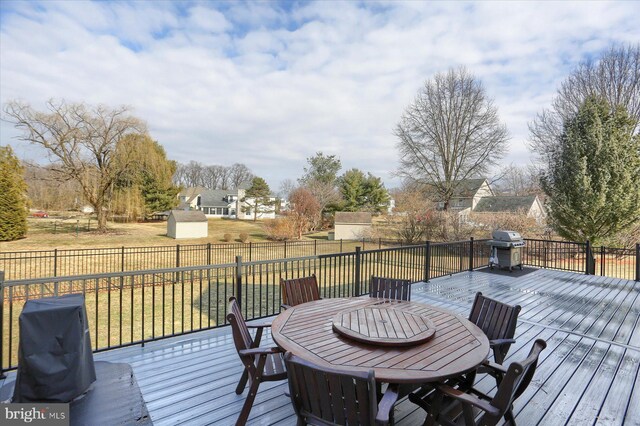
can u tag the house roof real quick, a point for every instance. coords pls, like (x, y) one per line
(216, 197)
(353, 217)
(504, 204)
(192, 192)
(468, 187)
(188, 216)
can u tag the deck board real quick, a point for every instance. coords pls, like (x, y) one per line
(589, 373)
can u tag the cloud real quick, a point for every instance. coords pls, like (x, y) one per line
(269, 84)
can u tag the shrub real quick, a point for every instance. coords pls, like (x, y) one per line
(244, 237)
(228, 238)
(281, 229)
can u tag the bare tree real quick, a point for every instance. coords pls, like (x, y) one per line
(239, 174)
(614, 77)
(450, 132)
(82, 141)
(520, 180)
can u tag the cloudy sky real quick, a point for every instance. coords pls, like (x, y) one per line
(269, 84)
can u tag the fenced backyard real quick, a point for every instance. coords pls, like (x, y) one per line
(133, 307)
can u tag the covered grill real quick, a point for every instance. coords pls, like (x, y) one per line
(506, 249)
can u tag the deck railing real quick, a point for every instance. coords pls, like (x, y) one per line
(584, 258)
(18, 265)
(134, 307)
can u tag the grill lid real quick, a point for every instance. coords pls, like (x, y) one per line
(503, 235)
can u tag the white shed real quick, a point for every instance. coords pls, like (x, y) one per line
(187, 224)
(351, 225)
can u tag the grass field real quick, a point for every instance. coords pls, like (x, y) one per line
(41, 236)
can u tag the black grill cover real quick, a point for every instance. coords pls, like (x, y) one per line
(55, 362)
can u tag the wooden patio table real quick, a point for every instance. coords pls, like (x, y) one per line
(309, 331)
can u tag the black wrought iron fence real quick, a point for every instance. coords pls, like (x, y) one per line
(65, 262)
(134, 307)
(584, 258)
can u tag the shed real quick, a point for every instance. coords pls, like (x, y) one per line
(187, 224)
(352, 225)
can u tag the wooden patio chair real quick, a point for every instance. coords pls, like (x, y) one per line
(336, 397)
(449, 406)
(390, 288)
(498, 321)
(299, 290)
(260, 364)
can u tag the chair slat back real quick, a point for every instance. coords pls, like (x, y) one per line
(496, 319)
(299, 290)
(241, 336)
(326, 396)
(390, 288)
(518, 378)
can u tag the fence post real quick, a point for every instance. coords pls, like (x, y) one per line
(55, 262)
(285, 249)
(2, 375)
(239, 280)
(471, 254)
(356, 285)
(602, 260)
(588, 258)
(637, 261)
(122, 260)
(250, 250)
(340, 245)
(177, 255)
(315, 247)
(208, 254)
(427, 261)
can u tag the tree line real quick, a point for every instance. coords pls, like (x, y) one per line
(586, 144)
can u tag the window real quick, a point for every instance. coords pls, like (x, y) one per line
(225, 211)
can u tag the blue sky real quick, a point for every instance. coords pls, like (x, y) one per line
(270, 83)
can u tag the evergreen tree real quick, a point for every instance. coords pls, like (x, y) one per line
(593, 181)
(13, 203)
(258, 198)
(362, 192)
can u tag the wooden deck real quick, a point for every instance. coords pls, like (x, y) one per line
(588, 374)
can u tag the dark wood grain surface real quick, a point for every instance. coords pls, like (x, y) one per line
(307, 331)
(384, 324)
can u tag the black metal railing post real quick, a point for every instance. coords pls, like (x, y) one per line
(55, 262)
(285, 249)
(471, 254)
(602, 260)
(250, 251)
(587, 266)
(315, 247)
(177, 255)
(356, 285)
(637, 261)
(208, 255)
(2, 375)
(239, 280)
(427, 261)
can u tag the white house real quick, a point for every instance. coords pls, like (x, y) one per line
(187, 224)
(222, 203)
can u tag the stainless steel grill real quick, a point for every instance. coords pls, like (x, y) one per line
(506, 249)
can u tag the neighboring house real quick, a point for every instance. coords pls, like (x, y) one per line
(187, 224)
(351, 225)
(468, 193)
(475, 195)
(529, 204)
(220, 203)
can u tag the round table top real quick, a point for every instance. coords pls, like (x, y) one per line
(384, 325)
(307, 331)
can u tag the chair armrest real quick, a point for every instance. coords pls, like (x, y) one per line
(469, 399)
(492, 367)
(386, 404)
(259, 351)
(497, 342)
(261, 323)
